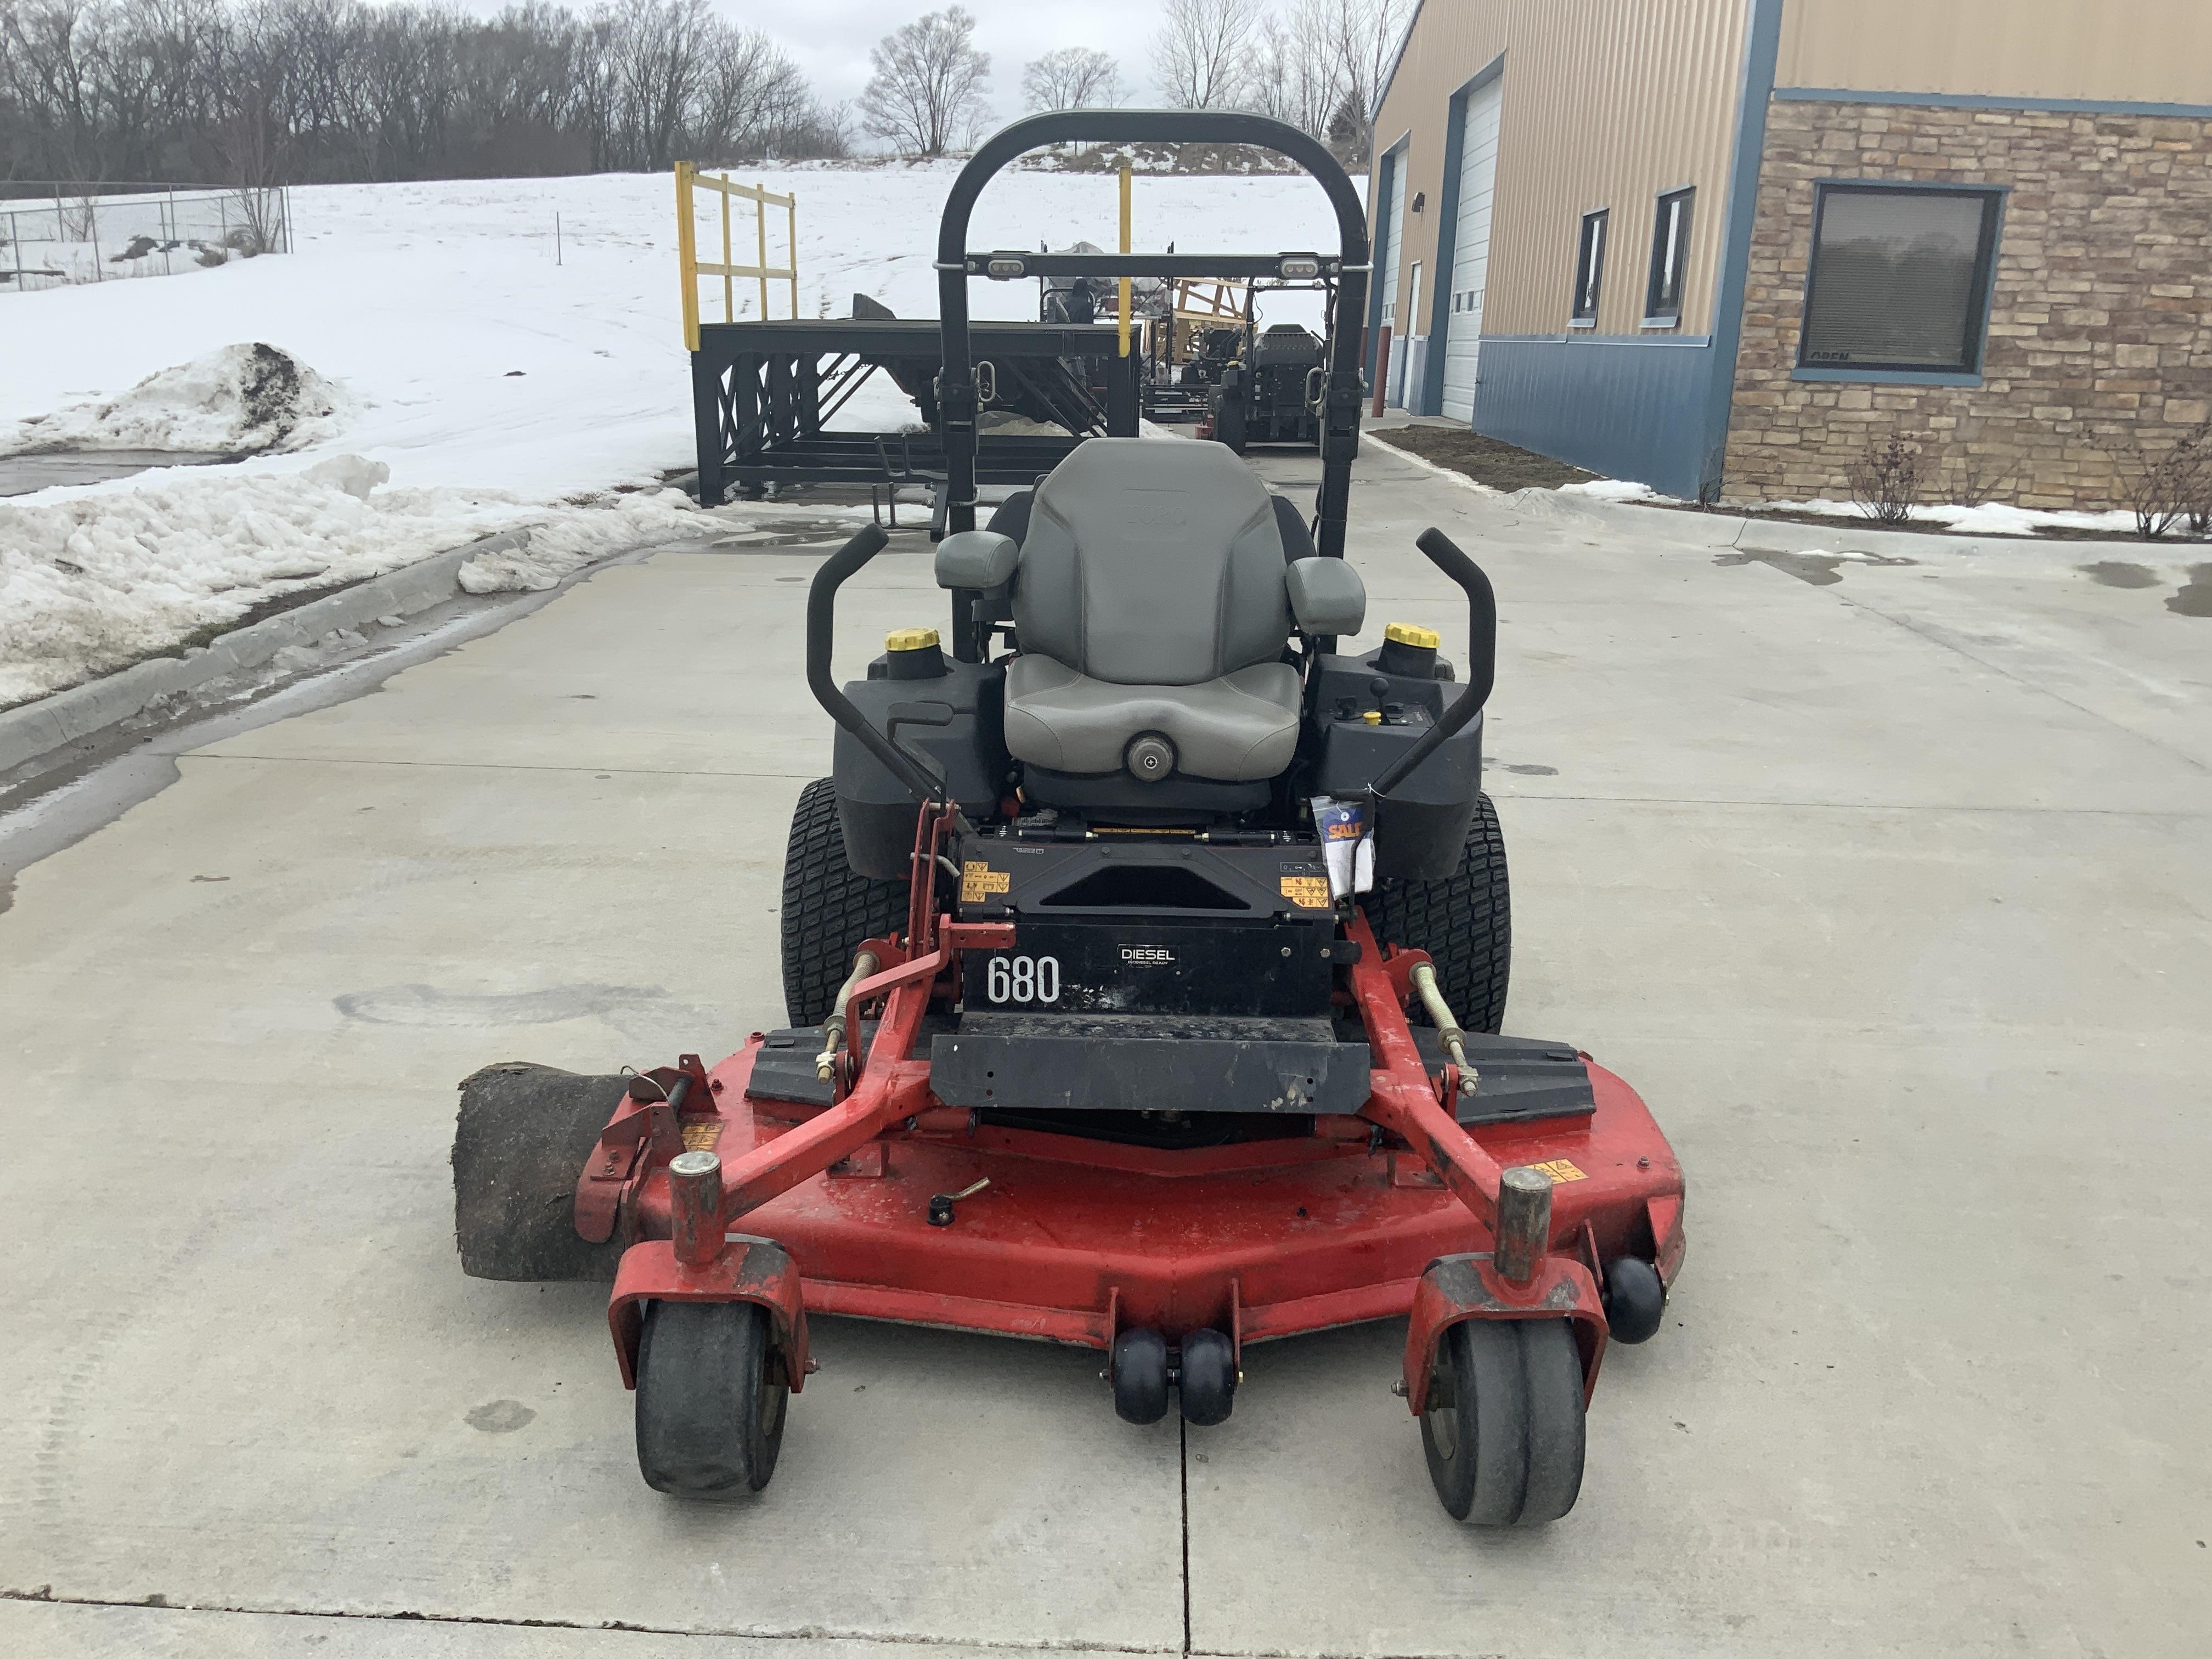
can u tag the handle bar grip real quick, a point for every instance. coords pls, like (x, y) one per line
(821, 632)
(1482, 653)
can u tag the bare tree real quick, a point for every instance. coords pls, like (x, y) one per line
(1202, 54)
(1360, 39)
(927, 94)
(1072, 77)
(1299, 73)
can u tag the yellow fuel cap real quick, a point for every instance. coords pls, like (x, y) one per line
(1412, 634)
(910, 639)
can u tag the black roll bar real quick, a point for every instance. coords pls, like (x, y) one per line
(1342, 399)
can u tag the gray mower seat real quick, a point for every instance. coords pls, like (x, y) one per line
(1151, 597)
(1240, 727)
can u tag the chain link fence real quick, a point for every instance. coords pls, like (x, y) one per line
(53, 233)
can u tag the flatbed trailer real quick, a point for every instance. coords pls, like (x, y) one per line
(762, 394)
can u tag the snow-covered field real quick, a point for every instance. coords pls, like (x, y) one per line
(495, 386)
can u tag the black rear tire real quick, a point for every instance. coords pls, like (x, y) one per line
(1464, 921)
(520, 1141)
(1229, 425)
(710, 1403)
(828, 909)
(1503, 1430)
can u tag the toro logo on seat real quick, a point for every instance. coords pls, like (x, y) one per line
(1149, 955)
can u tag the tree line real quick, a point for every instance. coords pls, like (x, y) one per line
(1317, 64)
(256, 93)
(303, 91)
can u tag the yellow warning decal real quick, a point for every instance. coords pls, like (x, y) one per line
(1307, 892)
(700, 1133)
(978, 881)
(1560, 1169)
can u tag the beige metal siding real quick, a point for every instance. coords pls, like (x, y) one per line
(1607, 103)
(2155, 52)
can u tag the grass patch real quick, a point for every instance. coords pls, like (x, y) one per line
(1486, 460)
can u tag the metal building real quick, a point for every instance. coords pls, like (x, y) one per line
(1721, 245)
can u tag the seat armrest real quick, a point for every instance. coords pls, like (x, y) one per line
(1326, 595)
(981, 559)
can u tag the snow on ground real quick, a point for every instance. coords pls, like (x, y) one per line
(1989, 519)
(499, 383)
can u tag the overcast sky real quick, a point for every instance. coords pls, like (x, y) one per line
(830, 38)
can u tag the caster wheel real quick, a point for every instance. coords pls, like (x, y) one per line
(1138, 1368)
(1635, 1300)
(710, 1405)
(1503, 1428)
(1209, 1378)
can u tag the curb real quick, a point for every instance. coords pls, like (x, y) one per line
(37, 729)
(1367, 436)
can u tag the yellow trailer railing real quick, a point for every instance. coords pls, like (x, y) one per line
(689, 179)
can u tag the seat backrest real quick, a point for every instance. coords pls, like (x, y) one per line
(1152, 561)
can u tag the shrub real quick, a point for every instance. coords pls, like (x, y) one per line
(2167, 486)
(1886, 481)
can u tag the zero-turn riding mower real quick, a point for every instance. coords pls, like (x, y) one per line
(1269, 390)
(1145, 956)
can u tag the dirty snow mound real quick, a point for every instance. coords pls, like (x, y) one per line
(100, 579)
(239, 400)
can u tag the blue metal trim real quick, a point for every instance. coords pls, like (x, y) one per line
(1440, 291)
(1700, 341)
(1887, 376)
(1988, 101)
(1390, 165)
(1915, 184)
(1762, 47)
(1630, 411)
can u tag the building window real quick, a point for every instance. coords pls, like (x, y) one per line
(1670, 260)
(1589, 268)
(1899, 279)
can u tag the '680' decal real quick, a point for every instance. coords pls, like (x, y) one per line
(1022, 979)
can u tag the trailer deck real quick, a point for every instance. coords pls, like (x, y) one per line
(763, 394)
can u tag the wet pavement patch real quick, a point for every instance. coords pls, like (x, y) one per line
(502, 1417)
(2194, 598)
(1821, 569)
(46, 469)
(2118, 573)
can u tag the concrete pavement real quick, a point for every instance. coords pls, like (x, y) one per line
(1889, 893)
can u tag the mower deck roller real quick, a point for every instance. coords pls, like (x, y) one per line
(1146, 957)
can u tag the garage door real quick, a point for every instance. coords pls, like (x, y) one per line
(1393, 232)
(1478, 179)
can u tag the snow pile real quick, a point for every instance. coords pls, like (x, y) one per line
(99, 579)
(1615, 490)
(239, 400)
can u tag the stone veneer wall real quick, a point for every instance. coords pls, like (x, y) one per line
(2100, 326)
